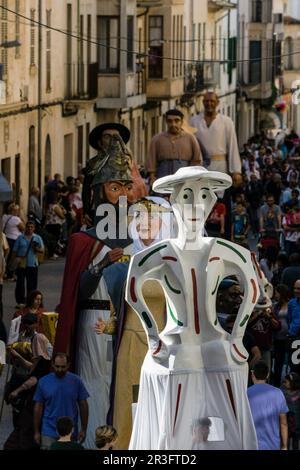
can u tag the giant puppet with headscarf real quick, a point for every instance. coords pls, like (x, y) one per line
(85, 295)
(151, 221)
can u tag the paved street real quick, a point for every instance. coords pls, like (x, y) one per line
(50, 281)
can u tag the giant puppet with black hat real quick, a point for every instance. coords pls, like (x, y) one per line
(100, 139)
(85, 296)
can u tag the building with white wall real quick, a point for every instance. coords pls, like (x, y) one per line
(47, 109)
(260, 37)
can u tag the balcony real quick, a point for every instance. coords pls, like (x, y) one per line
(122, 90)
(217, 5)
(148, 3)
(201, 76)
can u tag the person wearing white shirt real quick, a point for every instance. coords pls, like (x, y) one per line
(217, 137)
(12, 226)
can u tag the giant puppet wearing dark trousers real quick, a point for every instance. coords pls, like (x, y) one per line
(86, 294)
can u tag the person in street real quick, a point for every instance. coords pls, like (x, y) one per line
(269, 410)
(106, 437)
(293, 319)
(60, 393)
(12, 226)
(35, 210)
(4, 250)
(34, 304)
(217, 138)
(200, 433)
(229, 299)
(270, 218)
(21, 397)
(291, 390)
(291, 273)
(65, 428)
(172, 149)
(26, 248)
(282, 296)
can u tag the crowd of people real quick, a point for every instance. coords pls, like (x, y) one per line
(261, 210)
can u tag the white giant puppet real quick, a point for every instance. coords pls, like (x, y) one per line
(194, 377)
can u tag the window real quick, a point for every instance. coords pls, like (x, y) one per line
(87, 146)
(32, 38)
(177, 45)
(255, 62)
(268, 16)
(269, 62)
(130, 45)
(194, 41)
(108, 51)
(277, 58)
(80, 58)
(5, 168)
(79, 149)
(155, 47)
(199, 41)
(181, 53)
(17, 179)
(69, 78)
(288, 49)
(204, 41)
(31, 157)
(277, 18)
(174, 47)
(4, 39)
(48, 157)
(90, 78)
(17, 28)
(257, 6)
(232, 44)
(48, 51)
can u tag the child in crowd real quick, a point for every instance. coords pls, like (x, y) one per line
(240, 223)
(65, 428)
(106, 437)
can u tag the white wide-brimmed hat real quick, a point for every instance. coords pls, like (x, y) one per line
(216, 180)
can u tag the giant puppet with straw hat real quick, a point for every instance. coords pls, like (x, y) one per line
(194, 372)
